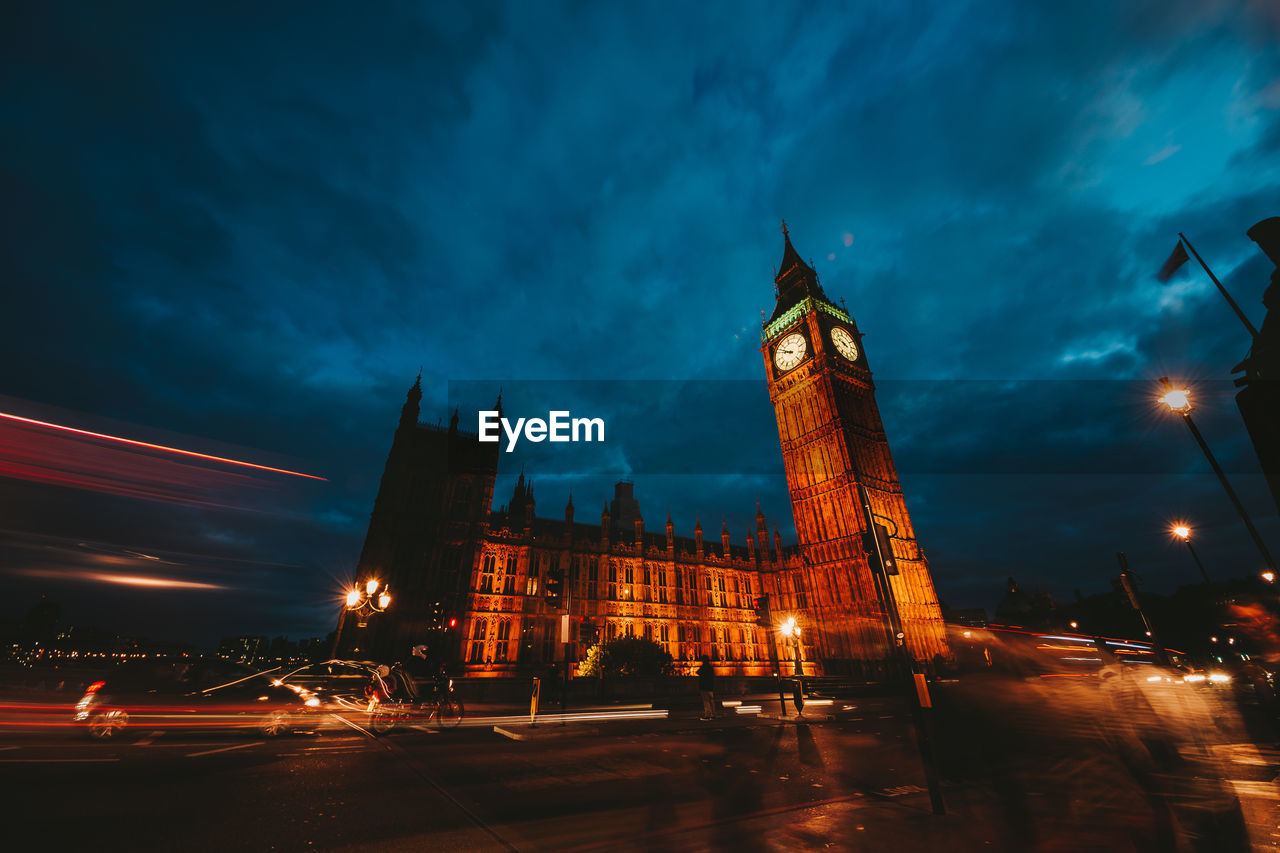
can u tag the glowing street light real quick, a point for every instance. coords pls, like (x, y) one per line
(791, 631)
(1269, 577)
(1183, 532)
(362, 602)
(1179, 402)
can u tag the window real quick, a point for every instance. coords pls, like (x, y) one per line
(613, 581)
(664, 632)
(801, 598)
(646, 575)
(509, 576)
(477, 644)
(504, 634)
(486, 574)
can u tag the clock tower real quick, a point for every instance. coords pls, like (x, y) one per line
(833, 441)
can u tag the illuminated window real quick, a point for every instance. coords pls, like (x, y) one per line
(801, 598)
(504, 634)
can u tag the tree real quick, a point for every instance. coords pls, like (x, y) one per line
(627, 656)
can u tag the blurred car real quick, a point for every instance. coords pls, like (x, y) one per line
(195, 694)
(336, 685)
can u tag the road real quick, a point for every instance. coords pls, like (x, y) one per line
(656, 783)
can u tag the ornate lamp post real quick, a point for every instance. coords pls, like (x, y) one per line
(791, 631)
(363, 601)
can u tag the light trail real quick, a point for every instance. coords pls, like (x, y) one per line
(166, 448)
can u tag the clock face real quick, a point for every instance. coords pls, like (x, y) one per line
(845, 344)
(790, 351)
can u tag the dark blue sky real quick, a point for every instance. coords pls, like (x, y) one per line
(244, 228)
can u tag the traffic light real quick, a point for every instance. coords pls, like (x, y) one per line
(878, 548)
(763, 617)
(554, 588)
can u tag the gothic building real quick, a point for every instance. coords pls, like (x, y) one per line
(475, 582)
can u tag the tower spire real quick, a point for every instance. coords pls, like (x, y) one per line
(794, 281)
(409, 413)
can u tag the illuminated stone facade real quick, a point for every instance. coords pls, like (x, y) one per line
(448, 556)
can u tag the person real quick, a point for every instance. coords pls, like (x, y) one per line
(707, 687)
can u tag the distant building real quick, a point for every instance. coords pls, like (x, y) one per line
(445, 555)
(242, 649)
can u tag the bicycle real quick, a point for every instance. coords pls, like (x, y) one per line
(390, 706)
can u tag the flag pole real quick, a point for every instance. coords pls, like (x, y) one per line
(1227, 296)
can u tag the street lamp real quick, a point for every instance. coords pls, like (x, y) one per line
(791, 631)
(1179, 402)
(363, 602)
(1183, 532)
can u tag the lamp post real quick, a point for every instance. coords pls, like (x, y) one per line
(1179, 402)
(1183, 532)
(791, 631)
(362, 601)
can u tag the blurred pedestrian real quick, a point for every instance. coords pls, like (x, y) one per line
(707, 687)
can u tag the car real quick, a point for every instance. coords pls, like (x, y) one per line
(160, 694)
(373, 694)
(338, 685)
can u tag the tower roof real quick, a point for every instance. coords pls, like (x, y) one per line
(795, 280)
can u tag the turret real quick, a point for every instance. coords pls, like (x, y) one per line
(604, 524)
(568, 517)
(762, 533)
(777, 543)
(520, 512)
(671, 533)
(724, 537)
(697, 536)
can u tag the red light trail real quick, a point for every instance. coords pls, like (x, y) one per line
(149, 446)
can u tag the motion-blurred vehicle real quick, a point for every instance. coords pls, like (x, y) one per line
(382, 696)
(192, 694)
